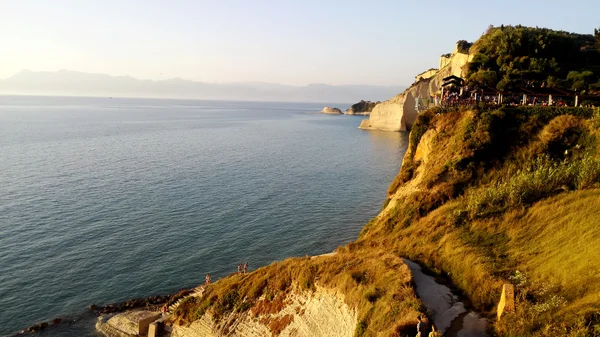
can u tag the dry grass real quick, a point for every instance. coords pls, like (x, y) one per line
(505, 200)
(376, 284)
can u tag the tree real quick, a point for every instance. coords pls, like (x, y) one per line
(517, 56)
(580, 80)
(463, 46)
(484, 77)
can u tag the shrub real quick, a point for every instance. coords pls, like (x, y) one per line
(359, 276)
(562, 133)
(226, 303)
(463, 46)
(541, 179)
(419, 128)
(547, 113)
(373, 294)
(361, 328)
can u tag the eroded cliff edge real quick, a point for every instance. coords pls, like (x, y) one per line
(400, 112)
(336, 294)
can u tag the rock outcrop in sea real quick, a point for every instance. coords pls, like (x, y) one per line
(363, 108)
(400, 112)
(331, 111)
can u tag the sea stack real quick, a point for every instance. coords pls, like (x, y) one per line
(362, 108)
(331, 111)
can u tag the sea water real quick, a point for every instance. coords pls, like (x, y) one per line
(106, 199)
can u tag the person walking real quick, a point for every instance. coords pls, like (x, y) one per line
(207, 278)
(421, 327)
(239, 268)
(246, 268)
(434, 332)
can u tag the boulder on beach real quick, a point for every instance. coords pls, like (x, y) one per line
(331, 111)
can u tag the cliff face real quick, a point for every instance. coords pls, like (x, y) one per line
(344, 293)
(322, 313)
(400, 112)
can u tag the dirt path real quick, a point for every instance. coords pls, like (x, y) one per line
(448, 313)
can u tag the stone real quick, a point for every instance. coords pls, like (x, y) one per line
(156, 329)
(507, 300)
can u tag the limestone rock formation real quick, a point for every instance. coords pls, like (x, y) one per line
(363, 108)
(127, 324)
(400, 112)
(331, 111)
(322, 313)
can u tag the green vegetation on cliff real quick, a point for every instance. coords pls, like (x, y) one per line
(509, 57)
(362, 107)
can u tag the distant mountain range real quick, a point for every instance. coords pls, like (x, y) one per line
(73, 83)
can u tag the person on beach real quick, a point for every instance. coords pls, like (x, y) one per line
(207, 278)
(434, 332)
(421, 327)
(246, 268)
(239, 268)
(164, 310)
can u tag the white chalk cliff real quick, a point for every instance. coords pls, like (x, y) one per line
(400, 112)
(322, 313)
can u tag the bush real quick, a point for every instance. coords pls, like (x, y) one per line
(419, 128)
(373, 294)
(226, 303)
(547, 113)
(562, 133)
(543, 178)
(361, 328)
(463, 46)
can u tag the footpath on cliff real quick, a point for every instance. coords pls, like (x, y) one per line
(448, 313)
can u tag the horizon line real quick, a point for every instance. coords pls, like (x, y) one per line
(199, 81)
(176, 99)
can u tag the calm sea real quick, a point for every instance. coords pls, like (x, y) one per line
(103, 199)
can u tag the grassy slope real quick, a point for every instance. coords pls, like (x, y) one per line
(499, 200)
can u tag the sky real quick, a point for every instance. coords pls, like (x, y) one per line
(279, 41)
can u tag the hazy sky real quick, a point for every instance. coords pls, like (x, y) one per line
(283, 41)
